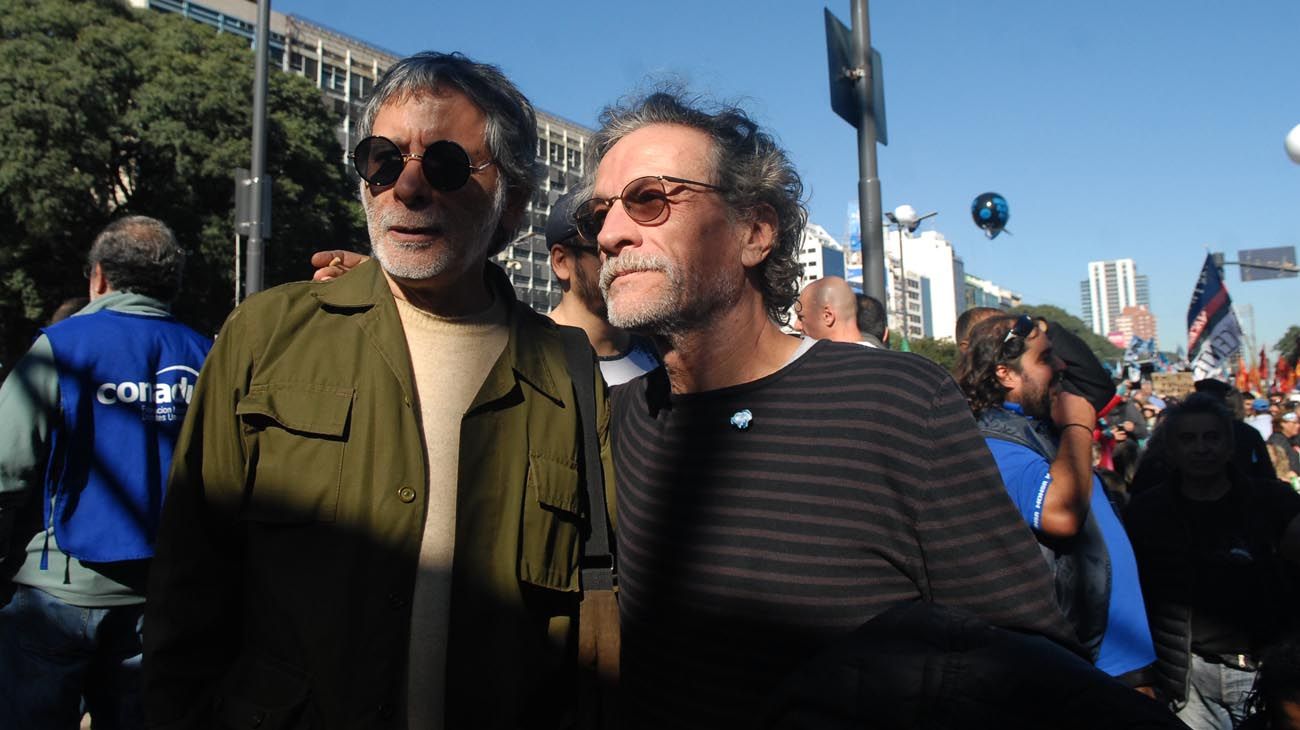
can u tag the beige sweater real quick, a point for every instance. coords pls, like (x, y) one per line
(450, 357)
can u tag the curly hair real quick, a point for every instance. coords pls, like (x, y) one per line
(753, 171)
(977, 370)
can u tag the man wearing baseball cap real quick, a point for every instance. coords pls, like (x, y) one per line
(576, 264)
(1260, 418)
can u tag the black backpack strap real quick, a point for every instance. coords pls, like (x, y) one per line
(597, 558)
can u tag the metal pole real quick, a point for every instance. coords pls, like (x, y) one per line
(902, 282)
(873, 239)
(253, 266)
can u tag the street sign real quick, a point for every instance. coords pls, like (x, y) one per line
(844, 77)
(244, 203)
(1267, 263)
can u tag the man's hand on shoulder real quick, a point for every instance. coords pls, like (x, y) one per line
(331, 264)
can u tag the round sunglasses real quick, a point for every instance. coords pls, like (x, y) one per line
(444, 163)
(644, 199)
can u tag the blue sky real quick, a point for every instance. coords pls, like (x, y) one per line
(1151, 130)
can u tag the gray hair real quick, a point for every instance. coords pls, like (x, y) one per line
(752, 170)
(511, 130)
(139, 254)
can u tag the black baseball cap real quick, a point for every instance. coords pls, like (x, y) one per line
(559, 225)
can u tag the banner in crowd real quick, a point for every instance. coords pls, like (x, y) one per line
(1213, 333)
(1177, 385)
(853, 261)
(1140, 350)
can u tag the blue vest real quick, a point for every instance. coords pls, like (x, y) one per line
(125, 382)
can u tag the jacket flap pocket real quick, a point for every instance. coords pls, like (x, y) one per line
(295, 438)
(266, 697)
(550, 540)
(554, 482)
(309, 409)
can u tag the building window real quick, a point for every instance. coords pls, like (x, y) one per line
(334, 78)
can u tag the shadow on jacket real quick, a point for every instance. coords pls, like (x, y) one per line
(929, 667)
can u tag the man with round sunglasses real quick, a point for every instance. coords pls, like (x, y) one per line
(774, 494)
(376, 516)
(1040, 435)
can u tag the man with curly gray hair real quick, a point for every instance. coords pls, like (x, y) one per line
(774, 493)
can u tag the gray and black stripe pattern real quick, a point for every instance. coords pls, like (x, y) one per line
(861, 482)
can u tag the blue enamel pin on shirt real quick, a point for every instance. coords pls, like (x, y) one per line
(740, 419)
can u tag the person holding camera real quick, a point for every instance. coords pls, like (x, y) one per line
(1217, 553)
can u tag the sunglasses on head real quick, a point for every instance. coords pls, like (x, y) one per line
(445, 164)
(644, 199)
(1023, 326)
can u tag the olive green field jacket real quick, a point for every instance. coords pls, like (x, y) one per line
(280, 596)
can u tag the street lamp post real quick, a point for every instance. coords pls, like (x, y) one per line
(253, 266)
(905, 217)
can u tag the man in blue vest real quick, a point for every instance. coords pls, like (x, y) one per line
(1040, 435)
(90, 414)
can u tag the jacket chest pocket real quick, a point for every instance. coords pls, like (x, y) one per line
(296, 436)
(550, 543)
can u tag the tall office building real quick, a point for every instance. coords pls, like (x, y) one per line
(1110, 287)
(561, 148)
(924, 285)
(820, 255)
(345, 70)
(922, 301)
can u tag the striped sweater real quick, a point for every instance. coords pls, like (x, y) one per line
(859, 482)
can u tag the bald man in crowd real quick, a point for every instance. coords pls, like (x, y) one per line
(828, 310)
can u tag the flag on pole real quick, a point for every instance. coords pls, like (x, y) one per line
(1213, 333)
(1243, 374)
(1263, 372)
(1283, 376)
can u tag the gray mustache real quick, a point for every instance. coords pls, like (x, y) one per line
(627, 264)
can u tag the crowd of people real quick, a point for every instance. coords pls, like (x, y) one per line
(388, 506)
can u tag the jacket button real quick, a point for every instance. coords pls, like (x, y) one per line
(395, 600)
(406, 494)
(256, 719)
(385, 712)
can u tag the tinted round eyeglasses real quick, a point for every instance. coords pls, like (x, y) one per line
(644, 199)
(444, 163)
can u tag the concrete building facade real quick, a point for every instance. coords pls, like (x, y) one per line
(345, 69)
(1136, 321)
(984, 293)
(820, 255)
